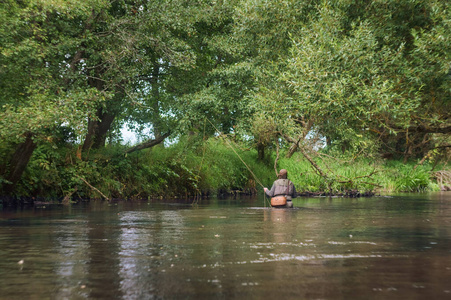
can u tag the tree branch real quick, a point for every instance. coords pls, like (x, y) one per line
(148, 144)
(424, 129)
(95, 189)
(314, 165)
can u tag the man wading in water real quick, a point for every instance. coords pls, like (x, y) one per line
(282, 191)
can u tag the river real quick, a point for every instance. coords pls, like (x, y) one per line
(384, 247)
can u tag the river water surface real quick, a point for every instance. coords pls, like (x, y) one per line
(396, 247)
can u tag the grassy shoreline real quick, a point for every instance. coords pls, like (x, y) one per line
(187, 170)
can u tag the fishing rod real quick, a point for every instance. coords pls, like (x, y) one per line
(230, 145)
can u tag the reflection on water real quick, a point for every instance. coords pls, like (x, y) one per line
(328, 248)
(69, 247)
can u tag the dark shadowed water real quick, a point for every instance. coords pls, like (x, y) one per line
(395, 247)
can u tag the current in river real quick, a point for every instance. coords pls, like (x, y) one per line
(384, 247)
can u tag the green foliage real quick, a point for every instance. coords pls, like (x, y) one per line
(189, 168)
(206, 167)
(183, 169)
(355, 70)
(342, 175)
(362, 77)
(363, 174)
(38, 45)
(406, 178)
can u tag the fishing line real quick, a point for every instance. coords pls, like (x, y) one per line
(258, 181)
(196, 199)
(228, 142)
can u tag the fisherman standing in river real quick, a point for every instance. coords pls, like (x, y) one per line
(282, 191)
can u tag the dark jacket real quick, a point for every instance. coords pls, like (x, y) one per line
(282, 187)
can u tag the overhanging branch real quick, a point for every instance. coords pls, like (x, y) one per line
(312, 162)
(424, 129)
(148, 143)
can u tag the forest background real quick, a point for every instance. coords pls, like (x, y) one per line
(345, 95)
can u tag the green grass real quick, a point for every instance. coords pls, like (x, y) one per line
(189, 168)
(362, 174)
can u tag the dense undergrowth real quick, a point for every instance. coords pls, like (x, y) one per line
(189, 169)
(363, 174)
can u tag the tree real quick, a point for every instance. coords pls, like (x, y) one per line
(37, 93)
(105, 63)
(358, 73)
(262, 34)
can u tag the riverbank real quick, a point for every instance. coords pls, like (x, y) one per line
(190, 171)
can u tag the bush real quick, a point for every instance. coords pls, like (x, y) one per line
(188, 168)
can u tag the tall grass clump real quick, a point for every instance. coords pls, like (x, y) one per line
(188, 168)
(400, 177)
(340, 175)
(363, 174)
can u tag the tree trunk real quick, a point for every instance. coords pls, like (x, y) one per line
(97, 131)
(261, 151)
(293, 149)
(99, 128)
(312, 162)
(19, 162)
(307, 125)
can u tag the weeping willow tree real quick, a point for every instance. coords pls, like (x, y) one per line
(368, 82)
(360, 75)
